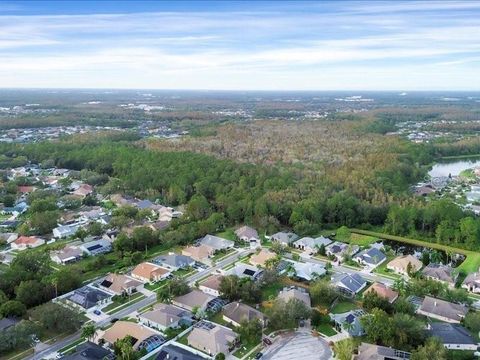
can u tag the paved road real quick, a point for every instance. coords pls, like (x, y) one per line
(139, 305)
(299, 345)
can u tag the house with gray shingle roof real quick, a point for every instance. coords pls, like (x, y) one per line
(370, 258)
(442, 273)
(284, 238)
(442, 310)
(349, 284)
(349, 322)
(310, 244)
(216, 243)
(453, 336)
(174, 261)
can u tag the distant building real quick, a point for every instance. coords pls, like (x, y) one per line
(370, 258)
(88, 297)
(174, 261)
(472, 282)
(216, 243)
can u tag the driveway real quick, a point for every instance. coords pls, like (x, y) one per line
(299, 345)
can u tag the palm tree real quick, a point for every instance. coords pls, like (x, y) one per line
(88, 331)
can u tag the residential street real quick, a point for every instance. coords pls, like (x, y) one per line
(138, 305)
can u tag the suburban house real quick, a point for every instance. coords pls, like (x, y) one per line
(8, 237)
(248, 235)
(453, 336)
(243, 270)
(349, 322)
(120, 284)
(472, 282)
(199, 253)
(306, 271)
(284, 238)
(377, 352)
(148, 272)
(174, 261)
(212, 338)
(442, 310)
(64, 231)
(164, 316)
(193, 299)
(88, 297)
(235, 312)
(216, 243)
(26, 242)
(311, 245)
(259, 259)
(142, 337)
(341, 250)
(83, 190)
(442, 273)
(172, 352)
(370, 258)
(293, 292)
(67, 255)
(166, 213)
(383, 291)
(401, 264)
(349, 284)
(211, 285)
(96, 247)
(90, 351)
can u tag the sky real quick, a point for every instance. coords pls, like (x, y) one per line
(241, 45)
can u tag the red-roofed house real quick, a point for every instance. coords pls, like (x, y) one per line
(26, 242)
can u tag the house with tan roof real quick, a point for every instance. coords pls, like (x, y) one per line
(248, 235)
(442, 310)
(141, 335)
(193, 299)
(212, 338)
(261, 257)
(148, 272)
(400, 264)
(211, 285)
(199, 253)
(236, 312)
(67, 255)
(26, 242)
(83, 190)
(120, 284)
(382, 291)
(293, 292)
(376, 352)
(164, 316)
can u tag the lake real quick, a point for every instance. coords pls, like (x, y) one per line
(453, 167)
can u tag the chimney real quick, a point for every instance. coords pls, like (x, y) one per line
(435, 304)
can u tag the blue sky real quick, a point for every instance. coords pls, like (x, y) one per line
(337, 45)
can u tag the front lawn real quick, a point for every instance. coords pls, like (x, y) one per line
(326, 329)
(222, 254)
(120, 302)
(342, 307)
(244, 350)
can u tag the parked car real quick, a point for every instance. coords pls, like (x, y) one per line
(97, 312)
(267, 341)
(114, 320)
(258, 355)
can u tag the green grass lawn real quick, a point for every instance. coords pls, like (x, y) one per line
(360, 240)
(228, 234)
(183, 272)
(218, 318)
(222, 254)
(382, 268)
(155, 286)
(71, 346)
(244, 350)
(342, 307)
(118, 305)
(471, 263)
(326, 329)
(183, 340)
(270, 291)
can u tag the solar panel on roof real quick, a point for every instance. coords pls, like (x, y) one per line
(94, 247)
(249, 272)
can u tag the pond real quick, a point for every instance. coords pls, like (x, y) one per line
(407, 249)
(453, 167)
